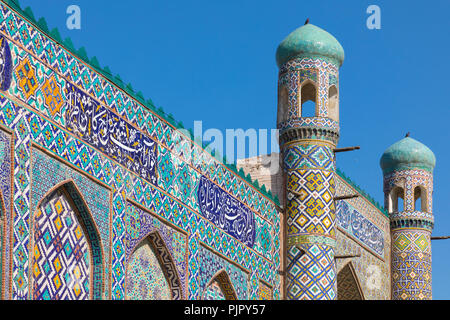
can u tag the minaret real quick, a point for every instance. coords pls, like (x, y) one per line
(309, 60)
(408, 196)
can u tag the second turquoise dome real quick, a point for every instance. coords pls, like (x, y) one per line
(407, 153)
(312, 42)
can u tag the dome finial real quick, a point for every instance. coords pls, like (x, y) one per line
(407, 154)
(408, 134)
(310, 41)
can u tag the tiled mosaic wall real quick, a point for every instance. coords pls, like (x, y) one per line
(87, 130)
(61, 256)
(411, 230)
(5, 198)
(145, 278)
(307, 145)
(361, 229)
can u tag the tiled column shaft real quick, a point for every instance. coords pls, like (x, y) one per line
(310, 170)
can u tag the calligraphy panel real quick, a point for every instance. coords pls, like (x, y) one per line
(354, 223)
(106, 131)
(226, 212)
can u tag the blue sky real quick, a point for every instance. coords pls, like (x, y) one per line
(215, 61)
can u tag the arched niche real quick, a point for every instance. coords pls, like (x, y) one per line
(333, 103)
(283, 104)
(420, 199)
(396, 199)
(219, 287)
(308, 93)
(151, 271)
(66, 251)
(348, 286)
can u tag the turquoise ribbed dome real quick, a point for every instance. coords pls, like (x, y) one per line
(407, 154)
(312, 42)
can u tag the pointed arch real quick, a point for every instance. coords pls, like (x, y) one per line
(396, 199)
(165, 260)
(420, 199)
(308, 92)
(66, 249)
(223, 281)
(348, 286)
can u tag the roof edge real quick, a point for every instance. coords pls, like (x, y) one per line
(362, 192)
(81, 54)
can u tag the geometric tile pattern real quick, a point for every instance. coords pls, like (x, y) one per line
(5, 209)
(371, 269)
(292, 74)
(156, 201)
(265, 292)
(310, 221)
(233, 280)
(61, 257)
(411, 265)
(213, 292)
(411, 231)
(145, 278)
(311, 209)
(169, 246)
(408, 180)
(309, 156)
(38, 86)
(311, 273)
(91, 201)
(348, 287)
(309, 164)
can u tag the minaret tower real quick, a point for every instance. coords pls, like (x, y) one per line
(309, 60)
(408, 196)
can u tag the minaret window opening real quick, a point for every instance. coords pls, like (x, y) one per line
(396, 200)
(333, 103)
(308, 100)
(420, 203)
(283, 104)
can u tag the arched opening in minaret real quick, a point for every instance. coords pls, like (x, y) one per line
(283, 104)
(420, 203)
(395, 201)
(333, 103)
(308, 100)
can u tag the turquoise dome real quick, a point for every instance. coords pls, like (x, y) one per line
(407, 154)
(311, 42)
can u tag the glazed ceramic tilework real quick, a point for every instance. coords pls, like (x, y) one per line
(145, 278)
(61, 257)
(119, 143)
(5, 189)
